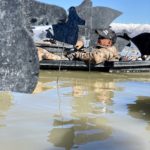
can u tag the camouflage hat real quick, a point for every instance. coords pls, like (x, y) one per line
(106, 33)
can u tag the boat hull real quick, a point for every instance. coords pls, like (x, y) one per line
(119, 66)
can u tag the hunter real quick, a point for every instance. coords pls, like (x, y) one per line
(104, 50)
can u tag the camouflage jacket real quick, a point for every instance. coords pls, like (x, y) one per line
(99, 54)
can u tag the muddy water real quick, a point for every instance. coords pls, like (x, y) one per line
(78, 110)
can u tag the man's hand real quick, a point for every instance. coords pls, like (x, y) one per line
(79, 45)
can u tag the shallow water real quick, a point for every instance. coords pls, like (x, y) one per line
(78, 110)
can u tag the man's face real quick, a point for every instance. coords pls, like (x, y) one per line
(105, 42)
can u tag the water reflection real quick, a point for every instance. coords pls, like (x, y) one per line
(78, 110)
(71, 134)
(40, 87)
(92, 96)
(141, 109)
(90, 100)
(5, 104)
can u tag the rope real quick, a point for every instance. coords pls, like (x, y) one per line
(60, 62)
(91, 48)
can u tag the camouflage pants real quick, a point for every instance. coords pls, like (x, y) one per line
(44, 54)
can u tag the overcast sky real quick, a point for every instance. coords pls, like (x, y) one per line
(134, 11)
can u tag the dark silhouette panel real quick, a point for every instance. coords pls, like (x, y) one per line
(68, 32)
(142, 41)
